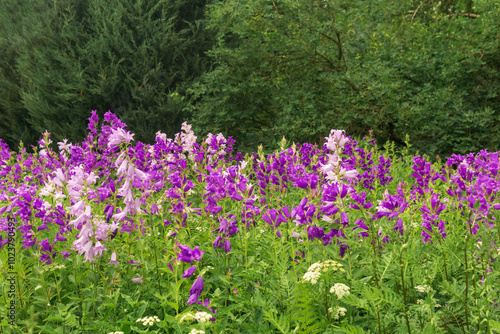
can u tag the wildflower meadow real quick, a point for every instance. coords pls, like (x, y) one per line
(185, 235)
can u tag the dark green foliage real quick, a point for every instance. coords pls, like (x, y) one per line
(429, 69)
(300, 68)
(67, 58)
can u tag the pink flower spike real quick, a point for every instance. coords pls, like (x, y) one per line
(351, 174)
(113, 259)
(137, 280)
(123, 167)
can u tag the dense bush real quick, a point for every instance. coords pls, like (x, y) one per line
(64, 58)
(427, 69)
(299, 68)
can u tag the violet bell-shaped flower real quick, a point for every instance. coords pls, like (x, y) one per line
(113, 259)
(188, 255)
(189, 272)
(196, 290)
(137, 280)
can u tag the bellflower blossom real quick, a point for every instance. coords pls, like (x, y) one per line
(188, 255)
(196, 290)
(118, 136)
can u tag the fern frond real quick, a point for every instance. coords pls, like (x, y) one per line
(282, 323)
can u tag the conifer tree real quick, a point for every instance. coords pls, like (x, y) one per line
(134, 58)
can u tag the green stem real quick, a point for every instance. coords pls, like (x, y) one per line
(378, 321)
(413, 287)
(475, 296)
(404, 292)
(444, 259)
(466, 287)
(326, 304)
(246, 248)
(157, 270)
(177, 290)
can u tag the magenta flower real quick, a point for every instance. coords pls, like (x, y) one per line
(188, 255)
(195, 291)
(227, 245)
(65, 254)
(344, 219)
(189, 272)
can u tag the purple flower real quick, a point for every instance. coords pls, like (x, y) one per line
(189, 272)
(218, 242)
(426, 236)
(227, 245)
(113, 259)
(137, 265)
(65, 254)
(206, 303)
(344, 219)
(399, 226)
(343, 249)
(195, 291)
(188, 255)
(137, 280)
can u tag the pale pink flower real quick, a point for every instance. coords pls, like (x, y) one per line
(137, 280)
(121, 215)
(123, 167)
(118, 136)
(161, 135)
(125, 190)
(113, 259)
(63, 146)
(351, 174)
(77, 209)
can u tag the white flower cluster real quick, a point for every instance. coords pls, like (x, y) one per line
(195, 331)
(53, 267)
(340, 290)
(187, 317)
(118, 332)
(314, 271)
(312, 276)
(337, 312)
(423, 288)
(203, 317)
(148, 321)
(421, 302)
